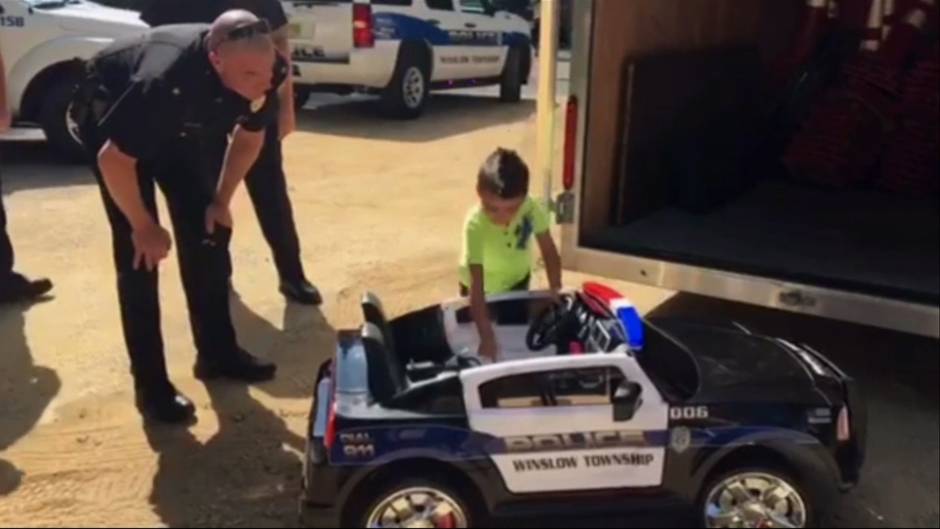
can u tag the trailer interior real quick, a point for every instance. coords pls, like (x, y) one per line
(693, 149)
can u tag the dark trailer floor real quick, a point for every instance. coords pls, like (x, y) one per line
(860, 240)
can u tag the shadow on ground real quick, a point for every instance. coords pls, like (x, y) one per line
(445, 115)
(25, 390)
(38, 167)
(248, 473)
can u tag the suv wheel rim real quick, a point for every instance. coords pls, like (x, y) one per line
(755, 500)
(418, 507)
(413, 87)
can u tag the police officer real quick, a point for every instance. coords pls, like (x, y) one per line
(146, 111)
(13, 287)
(266, 181)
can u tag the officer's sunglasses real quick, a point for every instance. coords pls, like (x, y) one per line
(257, 34)
(249, 31)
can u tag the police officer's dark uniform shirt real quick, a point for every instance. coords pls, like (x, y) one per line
(163, 92)
(163, 12)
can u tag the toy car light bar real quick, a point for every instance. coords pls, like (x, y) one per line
(623, 309)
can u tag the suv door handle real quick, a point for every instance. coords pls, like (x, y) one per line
(470, 25)
(434, 22)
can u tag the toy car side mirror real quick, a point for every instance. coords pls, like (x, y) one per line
(627, 400)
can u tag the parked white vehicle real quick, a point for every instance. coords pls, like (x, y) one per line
(44, 43)
(403, 49)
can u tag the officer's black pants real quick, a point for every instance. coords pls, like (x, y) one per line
(6, 248)
(203, 262)
(267, 187)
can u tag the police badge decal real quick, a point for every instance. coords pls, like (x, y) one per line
(681, 440)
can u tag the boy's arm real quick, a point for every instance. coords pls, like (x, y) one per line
(552, 260)
(481, 314)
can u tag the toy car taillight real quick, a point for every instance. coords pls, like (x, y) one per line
(330, 436)
(844, 426)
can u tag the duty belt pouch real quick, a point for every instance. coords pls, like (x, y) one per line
(90, 104)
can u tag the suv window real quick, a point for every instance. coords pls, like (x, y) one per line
(570, 387)
(477, 7)
(441, 5)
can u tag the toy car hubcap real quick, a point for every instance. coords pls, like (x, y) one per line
(414, 87)
(418, 507)
(755, 500)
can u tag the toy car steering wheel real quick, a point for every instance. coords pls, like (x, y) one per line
(548, 326)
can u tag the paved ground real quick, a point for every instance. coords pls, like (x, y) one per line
(379, 205)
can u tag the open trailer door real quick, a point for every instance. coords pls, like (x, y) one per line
(608, 191)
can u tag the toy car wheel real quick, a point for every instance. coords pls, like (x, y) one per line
(417, 503)
(755, 498)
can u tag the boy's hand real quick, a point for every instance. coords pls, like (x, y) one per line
(489, 348)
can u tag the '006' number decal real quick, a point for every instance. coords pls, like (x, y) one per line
(688, 413)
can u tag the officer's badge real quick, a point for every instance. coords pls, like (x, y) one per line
(681, 440)
(258, 104)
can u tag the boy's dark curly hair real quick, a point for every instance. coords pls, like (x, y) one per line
(504, 174)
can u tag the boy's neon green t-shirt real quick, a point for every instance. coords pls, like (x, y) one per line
(504, 252)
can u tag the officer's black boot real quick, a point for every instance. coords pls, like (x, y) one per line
(165, 404)
(301, 291)
(239, 366)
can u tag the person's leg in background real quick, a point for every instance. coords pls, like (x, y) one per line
(267, 187)
(205, 267)
(14, 287)
(6, 247)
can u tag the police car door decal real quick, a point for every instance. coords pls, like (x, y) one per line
(573, 445)
(11, 20)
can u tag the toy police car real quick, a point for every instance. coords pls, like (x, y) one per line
(409, 429)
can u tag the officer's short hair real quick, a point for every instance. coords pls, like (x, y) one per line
(237, 25)
(504, 174)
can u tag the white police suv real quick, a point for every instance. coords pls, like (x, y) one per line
(403, 49)
(44, 43)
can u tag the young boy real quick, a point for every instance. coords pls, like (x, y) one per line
(497, 249)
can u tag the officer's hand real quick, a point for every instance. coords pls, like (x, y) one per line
(151, 245)
(5, 120)
(218, 214)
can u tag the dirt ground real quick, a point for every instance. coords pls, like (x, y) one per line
(379, 206)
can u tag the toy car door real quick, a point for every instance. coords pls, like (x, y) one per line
(569, 424)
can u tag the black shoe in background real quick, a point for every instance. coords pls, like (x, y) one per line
(302, 292)
(240, 366)
(166, 405)
(15, 288)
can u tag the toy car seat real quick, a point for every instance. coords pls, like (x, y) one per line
(386, 374)
(375, 314)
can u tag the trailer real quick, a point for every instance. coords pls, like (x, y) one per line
(681, 128)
